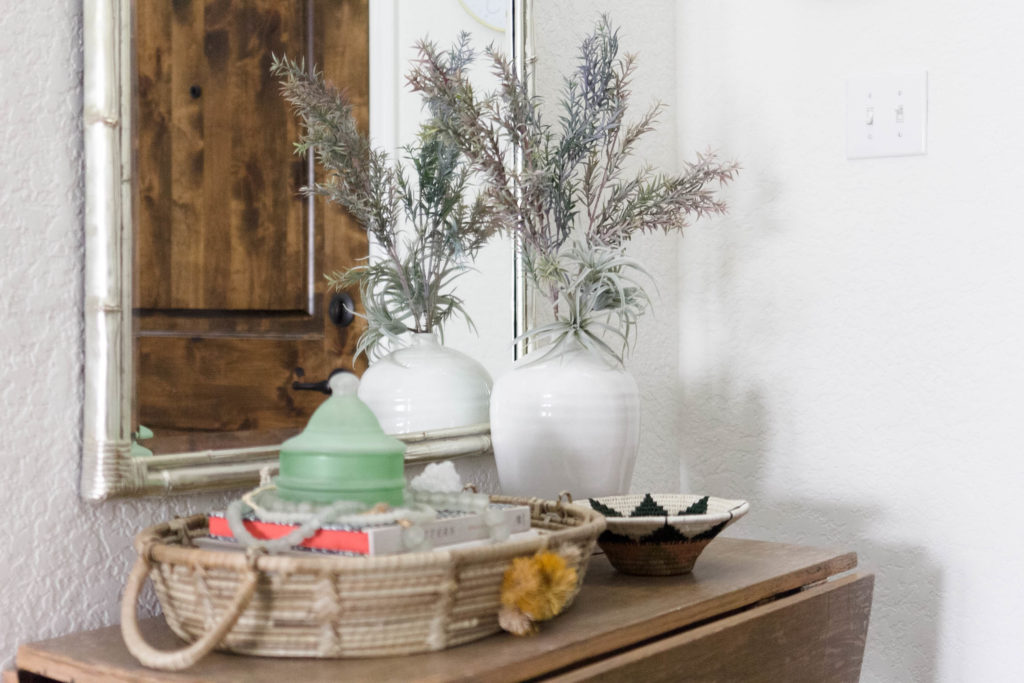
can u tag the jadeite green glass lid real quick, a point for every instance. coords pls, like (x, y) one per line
(342, 454)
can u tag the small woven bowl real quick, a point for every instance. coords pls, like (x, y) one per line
(661, 534)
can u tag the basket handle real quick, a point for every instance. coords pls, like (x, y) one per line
(176, 660)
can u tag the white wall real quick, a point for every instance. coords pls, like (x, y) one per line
(851, 354)
(846, 351)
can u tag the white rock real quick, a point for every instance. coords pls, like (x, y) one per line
(438, 477)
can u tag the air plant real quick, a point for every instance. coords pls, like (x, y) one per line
(429, 228)
(564, 186)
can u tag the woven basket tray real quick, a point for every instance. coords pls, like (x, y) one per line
(325, 606)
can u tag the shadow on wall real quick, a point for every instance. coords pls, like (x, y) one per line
(724, 445)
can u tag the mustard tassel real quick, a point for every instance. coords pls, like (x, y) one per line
(537, 588)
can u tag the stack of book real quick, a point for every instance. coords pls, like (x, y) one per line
(450, 528)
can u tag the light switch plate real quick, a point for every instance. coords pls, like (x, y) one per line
(886, 116)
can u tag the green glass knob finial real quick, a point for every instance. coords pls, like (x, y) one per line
(342, 454)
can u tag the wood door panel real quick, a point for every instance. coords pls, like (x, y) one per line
(229, 291)
(227, 384)
(221, 218)
(292, 324)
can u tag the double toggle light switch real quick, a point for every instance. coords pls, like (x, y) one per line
(886, 115)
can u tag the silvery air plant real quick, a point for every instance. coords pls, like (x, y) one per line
(568, 416)
(428, 228)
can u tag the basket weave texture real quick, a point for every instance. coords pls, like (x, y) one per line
(654, 559)
(327, 606)
(654, 537)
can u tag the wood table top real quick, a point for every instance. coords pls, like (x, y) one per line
(611, 612)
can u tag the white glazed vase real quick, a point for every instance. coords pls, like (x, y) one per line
(567, 422)
(426, 387)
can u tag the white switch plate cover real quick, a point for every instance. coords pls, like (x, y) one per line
(886, 116)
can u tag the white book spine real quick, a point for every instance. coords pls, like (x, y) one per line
(448, 530)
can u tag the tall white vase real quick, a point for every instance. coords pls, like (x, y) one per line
(425, 387)
(569, 422)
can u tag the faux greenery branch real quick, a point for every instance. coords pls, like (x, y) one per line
(412, 288)
(564, 186)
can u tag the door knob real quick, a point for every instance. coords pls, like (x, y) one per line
(341, 310)
(323, 386)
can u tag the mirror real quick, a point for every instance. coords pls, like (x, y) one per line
(215, 459)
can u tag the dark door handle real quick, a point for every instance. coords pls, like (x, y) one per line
(323, 386)
(341, 311)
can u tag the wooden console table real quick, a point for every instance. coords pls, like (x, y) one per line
(750, 611)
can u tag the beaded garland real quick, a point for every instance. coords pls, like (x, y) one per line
(266, 504)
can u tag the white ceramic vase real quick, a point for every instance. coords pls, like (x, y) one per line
(567, 422)
(425, 387)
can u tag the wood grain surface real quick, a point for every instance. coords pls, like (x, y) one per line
(230, 298)
(221, 221)
(814, 636)
(227, 384)
(613, 612)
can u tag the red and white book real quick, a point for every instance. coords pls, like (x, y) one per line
(449, 528)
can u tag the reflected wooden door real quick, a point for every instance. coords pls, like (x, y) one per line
(231, 303)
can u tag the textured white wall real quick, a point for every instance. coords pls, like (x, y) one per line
(850, 336)
(64, 561)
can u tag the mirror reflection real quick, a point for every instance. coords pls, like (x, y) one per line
(234, 322)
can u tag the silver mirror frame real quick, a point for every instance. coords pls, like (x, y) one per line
(108, 468)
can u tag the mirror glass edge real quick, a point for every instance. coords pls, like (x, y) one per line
(523, 52)
(108, 470)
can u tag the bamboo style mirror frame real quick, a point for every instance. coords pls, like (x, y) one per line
(109, 470)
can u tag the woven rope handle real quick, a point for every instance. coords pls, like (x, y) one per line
(176, 660)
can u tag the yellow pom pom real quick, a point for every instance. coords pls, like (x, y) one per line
(538, 586)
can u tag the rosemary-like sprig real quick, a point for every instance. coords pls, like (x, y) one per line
(564, 186)
(411, 289)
